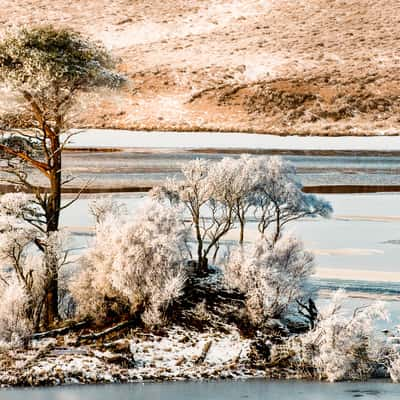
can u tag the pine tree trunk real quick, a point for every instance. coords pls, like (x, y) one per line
(52, 219)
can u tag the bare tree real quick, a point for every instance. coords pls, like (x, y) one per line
(45, 68)
(208, 194)
(278, 197)
(26, 252)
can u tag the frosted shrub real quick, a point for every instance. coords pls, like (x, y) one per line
(17, 205)
(340, 348)
(394, 369)
(271, 277)
(29, 256)
(137, 264)
(15, 326)
(91, 286)
(103, 207)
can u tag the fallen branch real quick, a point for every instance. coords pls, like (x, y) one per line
(118, 327)
(60, 331)
(204, 353)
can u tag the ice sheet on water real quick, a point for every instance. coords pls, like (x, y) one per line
(191, 140)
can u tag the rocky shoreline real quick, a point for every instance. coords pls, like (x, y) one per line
(175, 356)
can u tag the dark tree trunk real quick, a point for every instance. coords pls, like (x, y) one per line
(241, 235)
(52, 220)
(278, 225)
(203, 265)
(202, 261)
(242, 222)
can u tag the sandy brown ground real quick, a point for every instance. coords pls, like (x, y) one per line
(279, 66)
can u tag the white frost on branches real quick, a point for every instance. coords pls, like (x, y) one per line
(102, 207)
(207, 196)
(394, 369)
(339, 347)
(137, 265)
(271, 277)
(218, 195)
(25, 252)
(278, 197)
(15, 326)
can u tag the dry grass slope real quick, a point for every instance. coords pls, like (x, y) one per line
(281, 66)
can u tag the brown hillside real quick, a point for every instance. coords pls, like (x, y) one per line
(283, 66)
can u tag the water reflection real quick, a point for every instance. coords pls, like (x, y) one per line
(221, 390)
(130, 169)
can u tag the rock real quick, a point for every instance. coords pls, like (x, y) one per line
(277, 325)
(118, 359)
(180, 361)
(119, 346)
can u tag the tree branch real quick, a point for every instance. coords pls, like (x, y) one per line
(42, 167)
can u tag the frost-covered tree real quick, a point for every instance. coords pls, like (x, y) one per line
(207, 194)
(340, 347)
(278, 197)
(103, 207)
(394, 368)
(15, 325)
(237, 178)
(45, 68)
(219, 195)
(136, 266)
(271, 277)
(27, 252)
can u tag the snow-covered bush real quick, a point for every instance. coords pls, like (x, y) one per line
(17, 205)
(15, 324)
(394, 369)
(102, 207)
(271, 277)
(136, 265)
(30, 257)
(340, 347)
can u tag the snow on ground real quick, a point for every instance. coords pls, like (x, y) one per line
(180, 354)
(205, 21)
(96, 138)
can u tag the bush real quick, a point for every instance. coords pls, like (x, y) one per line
(271, 277)
(135, 266)
(15, 326)
(340, 348)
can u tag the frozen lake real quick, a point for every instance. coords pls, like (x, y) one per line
(360, 241)
(195, 140)
(149, 167)
(222, 390)
(144, 159)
